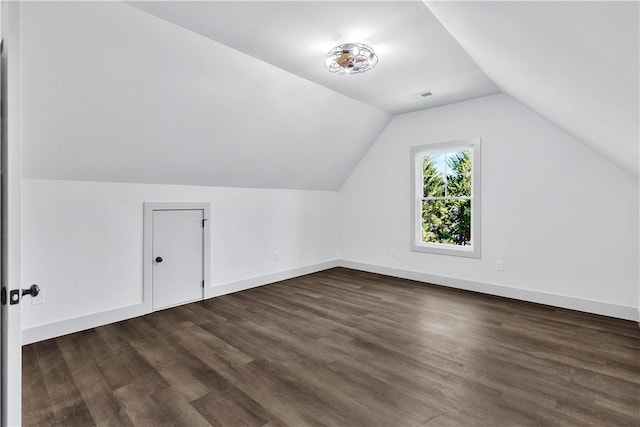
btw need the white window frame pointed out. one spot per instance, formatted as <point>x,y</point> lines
<point>417,155</point>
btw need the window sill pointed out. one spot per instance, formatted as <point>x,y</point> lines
<point>466,252</point>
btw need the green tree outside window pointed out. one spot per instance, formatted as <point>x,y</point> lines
<point>446,203</point>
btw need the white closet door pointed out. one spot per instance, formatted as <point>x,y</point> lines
<point>178,240</point>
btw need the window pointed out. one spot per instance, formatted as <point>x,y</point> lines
<point>446,198</point>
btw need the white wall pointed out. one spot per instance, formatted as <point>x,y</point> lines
<point>82,241</point>
<point>113,94</point>
<point>563,219</point>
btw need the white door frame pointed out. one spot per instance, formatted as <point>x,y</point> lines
<point>11,207</point>
<point>149,208</point>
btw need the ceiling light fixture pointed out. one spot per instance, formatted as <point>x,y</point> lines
<point>350,58</point>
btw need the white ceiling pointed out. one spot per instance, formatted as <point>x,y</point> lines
<point>111,93</point>
<point>213,93</point>
<point>416,53</point>
<point>574,63</point>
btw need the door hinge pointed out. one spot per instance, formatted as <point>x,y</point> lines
<point>203,220</point>
<point>203,283</point>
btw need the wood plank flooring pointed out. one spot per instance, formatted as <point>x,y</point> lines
<point>341,348</point>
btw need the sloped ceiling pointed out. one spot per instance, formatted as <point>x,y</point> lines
<point>416,53</point>
<point>112,93</point>
<point>235,94</point>
<point>574,63</point>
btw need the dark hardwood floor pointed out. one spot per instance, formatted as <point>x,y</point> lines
<point>341,348</point>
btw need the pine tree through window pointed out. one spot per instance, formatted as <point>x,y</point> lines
<point>446,198</point>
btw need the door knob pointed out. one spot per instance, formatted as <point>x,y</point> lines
<point>159,259</point>
<point>34,290</point>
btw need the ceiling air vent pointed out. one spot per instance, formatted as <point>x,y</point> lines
<point>425,94</point>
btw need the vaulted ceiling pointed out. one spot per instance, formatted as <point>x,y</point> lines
<point>112,93</point>
<point>574,63</point>
<point>235,93</point>
<point>416,52</point>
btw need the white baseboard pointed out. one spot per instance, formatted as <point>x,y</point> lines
<point>573,303</point>
<point>81,323</point>
<point>241,285</point>
<point>67,326</point>
<point>77,324</point>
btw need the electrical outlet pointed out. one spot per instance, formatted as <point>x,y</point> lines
<point>392,252</point>
<point>499,265</point>
<point>276,255</point>
<point>38,299</point>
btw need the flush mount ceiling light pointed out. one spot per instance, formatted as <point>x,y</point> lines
<point>350,58</point>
